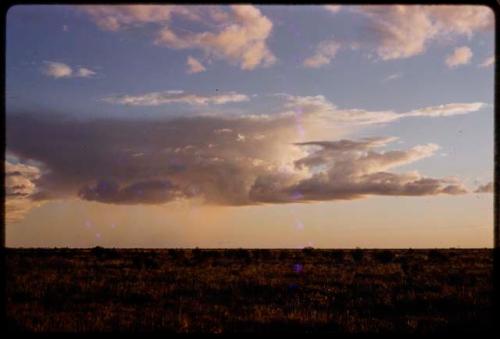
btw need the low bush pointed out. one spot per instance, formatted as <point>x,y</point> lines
<point>357,255</point>
<point>384,257</point>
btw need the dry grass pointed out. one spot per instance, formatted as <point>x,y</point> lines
<point>311,290</point>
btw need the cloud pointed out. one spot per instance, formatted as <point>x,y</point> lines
<point>391,77</point>
<point>85,72</point>
<point>486,188</point>
<point>190,153</point>
<point>489,61</point>
<point>194,66</point>
<point>223,130</point>
<point>403,31</point>
<point>239,35</point>
<point>57,70</point>
<point>351,169</point>
<point>325,52</point>
<point>240,137</point>
<point>362,164</point>
<point>446,110</point>
<point>461,19</point>
<point>241,41</point>
<point>238,160</point>
<point>320,106</point>
<point>460,56</point>
<point>333,8</point>
<point>20,186</point>
<point>141,192</point>
<point>114,18</point>
<point>175,96</point>
<point>60,70</point>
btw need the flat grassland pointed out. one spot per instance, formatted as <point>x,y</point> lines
<point>309,290</point>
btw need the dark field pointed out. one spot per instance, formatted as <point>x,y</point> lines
<point>217,291</point>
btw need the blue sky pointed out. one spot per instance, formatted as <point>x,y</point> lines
<point>81,64</point>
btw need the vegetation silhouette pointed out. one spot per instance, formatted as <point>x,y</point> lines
<point>249,290</point>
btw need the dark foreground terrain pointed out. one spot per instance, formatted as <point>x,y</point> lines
<point>308,290</point>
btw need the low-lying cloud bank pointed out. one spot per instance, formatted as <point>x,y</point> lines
<point>238,160</point>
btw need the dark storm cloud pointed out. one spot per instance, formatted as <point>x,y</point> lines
<point>348,169</point>
<point>189,152</point>
<point>147,192</point>
<point>225,161</point>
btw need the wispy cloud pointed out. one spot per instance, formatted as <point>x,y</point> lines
<point>59,70</point>
<point>176,96</point>
<point>391,77</point>
<point>84,72</point>
<point>445,110</point>
<point>489,61</point>
<point>320,106</point>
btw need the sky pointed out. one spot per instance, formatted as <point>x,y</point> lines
<point>218,126</point>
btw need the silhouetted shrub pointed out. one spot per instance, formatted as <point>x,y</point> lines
<point>283,255</point>
<point>336,255</point>
<point>105,253</point>
<point>196,252</point>
<point>357,255</point>
<point>176,254</point>
<point>264,254</point>
<point>405,264</point>
<point>436,255</point>
<point>142,261</point>
<point>98,250</point>
<point>239,254</point>
<point>384,257</point>
<point>308,250</point>
<point>198,255</point>
<point>212,254</point>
